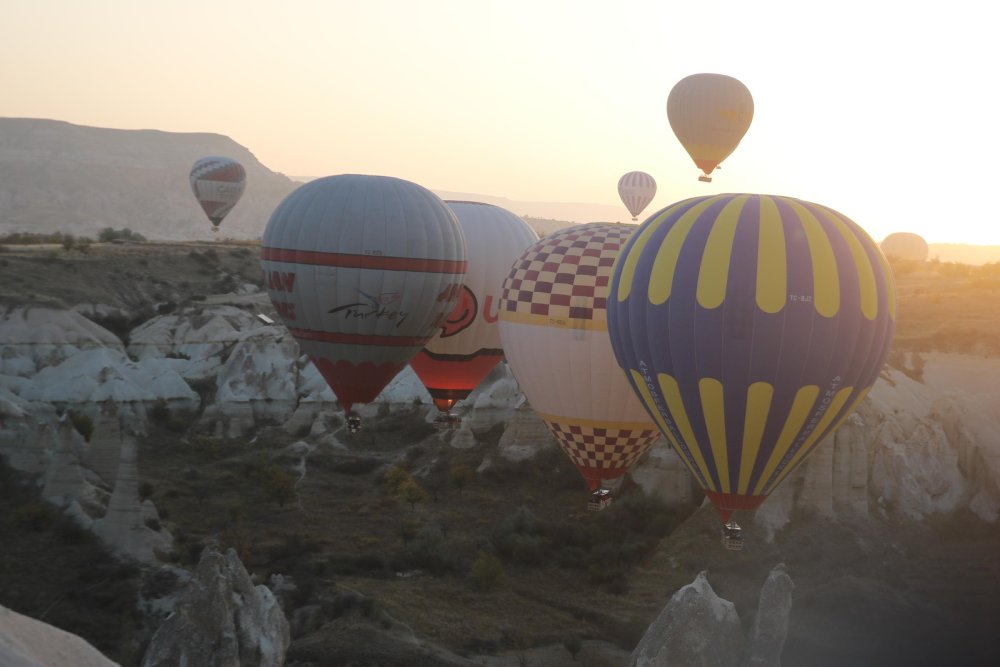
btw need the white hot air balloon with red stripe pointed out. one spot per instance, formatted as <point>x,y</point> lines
<point>363,270</point>
<point>467,347</point>
<point>554,328</point>
<point>217,184</point>
<point>637,189</point>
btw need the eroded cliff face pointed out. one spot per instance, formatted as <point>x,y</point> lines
<point>56,176</point>
<point>912,449</point>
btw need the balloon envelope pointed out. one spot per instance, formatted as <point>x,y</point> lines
<point>905,245</point>
<point>217,183</point>
<point>750,326</point>
<point>709,113</point>
<point>467,346</point>
<point>362,271</point>
<point>553,324</point>
<point>637,189</point>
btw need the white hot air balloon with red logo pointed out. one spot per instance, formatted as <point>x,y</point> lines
<point>218,184</point>
<point>637,189</point>
<point>363,270</point>
<point>467,347</point>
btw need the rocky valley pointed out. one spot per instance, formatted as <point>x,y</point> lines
<point>158,435</point>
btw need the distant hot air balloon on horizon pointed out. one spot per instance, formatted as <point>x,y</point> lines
<point>467,346</point>
<point>553,325</point>
<point>637,189</point>
<point>217,184</point>
<point>905,246</point>
<point>709,113</point>
<point>362,270</point>
<point>750,327</point>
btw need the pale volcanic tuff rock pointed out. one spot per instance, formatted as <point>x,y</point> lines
<point>770,627</point>
<point>697,627</point>
<point>662,473</point>
<point>98,375</point>
<point>64,478</point>
<point>33,337</point>
<point>25,642</point>
<point>200,336</point>
<point>525,436</point>
<point>221,620</point>
<point>124,526</point>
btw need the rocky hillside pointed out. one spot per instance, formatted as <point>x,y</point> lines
<point>143,401</point>
<point>55,176</point>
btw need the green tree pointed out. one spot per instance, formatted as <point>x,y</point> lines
<point>459,476</point>
<point>278,484</point>
<point>487,571</point>
<point>394,479</point>
<point>408,529</point>
<point>411,492</point>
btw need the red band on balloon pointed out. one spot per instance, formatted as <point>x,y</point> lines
<point>349,261</point>
<point>726,503</point>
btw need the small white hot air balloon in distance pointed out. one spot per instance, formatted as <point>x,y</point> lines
<point>637,189</point>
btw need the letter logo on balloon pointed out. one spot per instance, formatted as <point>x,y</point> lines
<point>462,315</point>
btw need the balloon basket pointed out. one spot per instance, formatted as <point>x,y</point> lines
<point>599,500</point>
<point>732,536</point>
<point>353,424</point>
<point>447,421</point>
<point>705,179</point>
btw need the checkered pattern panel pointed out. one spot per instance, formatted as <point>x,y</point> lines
<point>605,448</point>
<point>566,275</point>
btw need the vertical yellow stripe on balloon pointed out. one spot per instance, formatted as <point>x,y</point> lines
<point>866,274</point>
<point>759,396</point>
<point>675,404</point>
<point>714,410</point>
<point>805,398</point>
<point>714,271</point>
<point>826,280</point>
<point>831,412</point>
<point>661,277</point>
<point>631,259</point>
<point>647,399</point>
<point>772,265</point>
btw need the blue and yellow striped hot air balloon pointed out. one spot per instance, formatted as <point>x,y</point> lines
<point>750,327</point>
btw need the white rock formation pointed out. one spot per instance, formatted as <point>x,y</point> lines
<point>34,337</point>
<point>221,620</point>
<point>123,527</point>
<point>198,336</point>
<point>770,627</point>
<point>25,642</point>
<point>102,374</point>
<point>64,479</point>
<point>526,435</point>
<point>662,473</point>
<point>697,627</point>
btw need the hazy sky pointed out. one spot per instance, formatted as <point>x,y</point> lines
<point>886,111</point>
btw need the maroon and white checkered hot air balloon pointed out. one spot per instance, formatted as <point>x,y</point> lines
<point>554,330</point>
<point>363,270</point>
<point>217,183</point>
<point>637,189</point>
